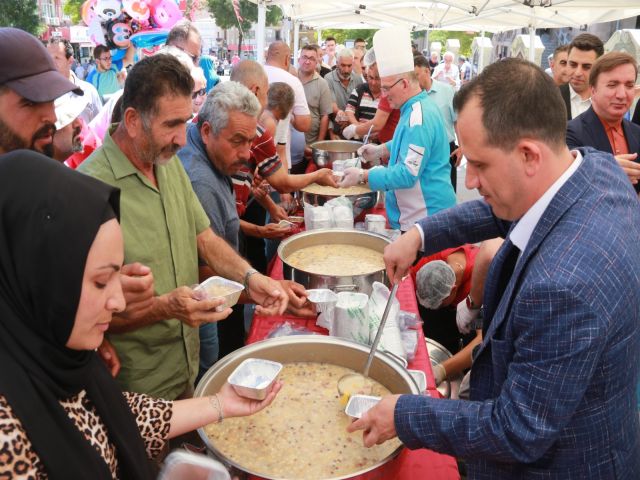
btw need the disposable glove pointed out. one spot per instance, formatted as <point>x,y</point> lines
<point>371,153</point>
<point>439,373</point>
<point>465,317</point>
<point>352,176</point>
<point>349,131</point>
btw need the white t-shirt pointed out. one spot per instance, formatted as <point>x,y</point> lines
<point>300,106</point>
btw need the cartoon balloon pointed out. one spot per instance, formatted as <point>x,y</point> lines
<point>87,11</point>
<point>108,9</point>
<point>95,32</point>
<point>166,14</point>
<point>118,34</point>
<point>136,9</point>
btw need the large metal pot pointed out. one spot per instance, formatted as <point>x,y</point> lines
<point>344,283</point>
<point>307,348</point>
<point>326,151</point>
<point>438,354</point>
<point>360,202</point>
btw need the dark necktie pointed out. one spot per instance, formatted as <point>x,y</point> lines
<point>508,257</point>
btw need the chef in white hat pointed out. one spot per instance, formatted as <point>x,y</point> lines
<point>67,139</point>
<point>417,178</point>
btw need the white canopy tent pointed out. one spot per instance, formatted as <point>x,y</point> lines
<point>459,15</point>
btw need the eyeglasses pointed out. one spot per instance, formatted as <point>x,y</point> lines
<point>105,59</point>
<point>387,89</point>
<point>200,93</point>
<point>308,59</point>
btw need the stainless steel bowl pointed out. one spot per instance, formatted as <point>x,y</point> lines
<point>307,348</point>
<point>326,151</point>
<point>344,283</point>
<point>360,201</point>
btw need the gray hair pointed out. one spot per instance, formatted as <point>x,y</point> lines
<point>181,31</point>
<point>280,96</point>
<point>345,52</point>
<point>224,98</point>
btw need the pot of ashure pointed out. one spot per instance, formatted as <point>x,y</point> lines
<point>341,260</point>
<point>325,152</point>
<point>299,448</point>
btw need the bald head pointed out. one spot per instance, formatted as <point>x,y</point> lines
<point>278,55</point>
<point>248,73</point>
<point>251,74</point>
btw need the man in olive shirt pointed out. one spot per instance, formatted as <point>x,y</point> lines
<point>165,227</point>
<point>317,93</point>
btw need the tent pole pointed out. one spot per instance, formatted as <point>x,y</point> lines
<point>296,40</point>
<point>532,43</point>
<point>481,56</point>
<point>260,33</point>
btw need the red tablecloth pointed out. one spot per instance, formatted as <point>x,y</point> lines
<point>410,464</point>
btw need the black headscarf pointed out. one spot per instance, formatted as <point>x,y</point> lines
<point>49,218</point>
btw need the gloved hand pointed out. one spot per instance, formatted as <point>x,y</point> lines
<point>349,131</point>
<point>439,373</point>
<point>352,176</point>
<point>371,152</point>
<point>465,317</point>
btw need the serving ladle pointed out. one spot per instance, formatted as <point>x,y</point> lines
<point>356,383</point>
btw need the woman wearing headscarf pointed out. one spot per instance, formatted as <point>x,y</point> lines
<point>62,415</point>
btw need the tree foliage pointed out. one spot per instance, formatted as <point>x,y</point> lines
<point>342,35</point>
<point>72,8</point>
<point>20,14</point>
<point>222,11</point>
<point>466,39</point>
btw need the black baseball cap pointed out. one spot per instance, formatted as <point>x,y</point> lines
<point>29,70</point>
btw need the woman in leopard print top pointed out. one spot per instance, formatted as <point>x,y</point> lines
<point>62,415</point>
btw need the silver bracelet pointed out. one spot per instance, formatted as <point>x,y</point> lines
<point>217,405</point>
<point>245,281</point>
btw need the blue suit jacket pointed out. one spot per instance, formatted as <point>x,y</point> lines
<point>586,130</point>
<point>553,384</point>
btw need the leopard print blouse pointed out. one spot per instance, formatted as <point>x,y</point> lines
<point>19,461</point>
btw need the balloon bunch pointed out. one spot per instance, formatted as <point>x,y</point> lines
<point>117,23</point>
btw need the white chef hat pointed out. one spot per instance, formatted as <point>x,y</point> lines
<point>393,51</point>
<point>68,107</point>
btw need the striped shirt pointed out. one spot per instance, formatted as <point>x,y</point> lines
<point>264,158</point>
<point>362,104</point>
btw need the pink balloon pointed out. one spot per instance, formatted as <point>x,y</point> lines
<point>166,14</point>
<point>87,11</point>
<point>137,9</point>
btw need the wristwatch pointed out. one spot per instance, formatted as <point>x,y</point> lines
<point>471,305</point>
<point>361,177</point>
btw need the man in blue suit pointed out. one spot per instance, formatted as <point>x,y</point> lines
<point>553,382</point>
<point>603,127</point>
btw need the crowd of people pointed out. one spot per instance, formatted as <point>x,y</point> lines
<point>180,178</point>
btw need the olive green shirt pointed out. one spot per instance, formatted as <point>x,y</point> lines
<point>159,226</point>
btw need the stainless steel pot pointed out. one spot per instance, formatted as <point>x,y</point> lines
<point>360,202</point>
<point>438,354</point>
<point>307,348</point>
<point>326,151</point>
<point>344,283</point>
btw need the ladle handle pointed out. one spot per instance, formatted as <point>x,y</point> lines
<point>383,320</point>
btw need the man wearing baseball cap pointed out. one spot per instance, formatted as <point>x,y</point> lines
<point>29,83</point>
